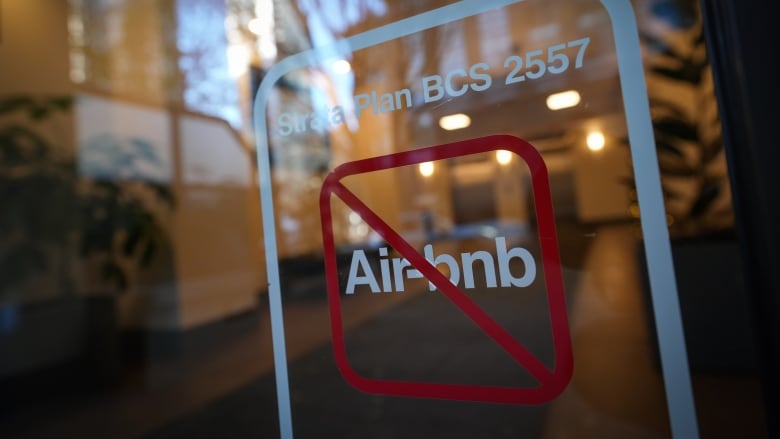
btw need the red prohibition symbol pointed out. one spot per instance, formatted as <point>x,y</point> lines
<point>550,382</point>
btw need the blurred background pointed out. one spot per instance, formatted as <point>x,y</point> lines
<point>133,287</point>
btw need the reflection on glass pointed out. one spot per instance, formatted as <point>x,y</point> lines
<point>426,169</point>
<point>595,141</point>
<point>133,292</point>
<point>562,100</point>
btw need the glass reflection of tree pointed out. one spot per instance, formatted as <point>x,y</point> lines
<point>164,52</point>
<point>685,120</point>
<point>129,48</point>
<point>50,214</point>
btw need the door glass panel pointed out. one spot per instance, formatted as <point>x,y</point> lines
<point>366,219</point>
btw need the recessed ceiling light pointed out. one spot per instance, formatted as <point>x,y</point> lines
<point>454,121</point>
<point>564,99</point>
<point>595,141</point>
<point>503,157</point>
<point>426,169</point>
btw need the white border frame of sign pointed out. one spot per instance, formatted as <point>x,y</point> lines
<point>666,308</point>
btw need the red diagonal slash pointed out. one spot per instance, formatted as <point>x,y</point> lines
<point>551,383</point>
<point>461,300</point>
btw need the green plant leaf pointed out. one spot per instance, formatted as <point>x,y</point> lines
<point>670,194</point>
<point>686,72</point>
<point>668,147</point>
<point>706,197</point>
<point>675,168</point>
<point>15,103</point>
<point>658,46</point>
<point>672,109</point>
<point>61,102</point>
<point>134,235</point>
<point>112,272</point>
<point>677,128</point>
<point>164,193</point>
<point>38,112</point>
<point>21,145</point>
<point>148,253</point>
<point>710,150</point>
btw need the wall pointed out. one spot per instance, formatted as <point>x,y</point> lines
<point>34,48</point>
<point>602,180</point>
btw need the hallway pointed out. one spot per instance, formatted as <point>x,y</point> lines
<point>222,379</point>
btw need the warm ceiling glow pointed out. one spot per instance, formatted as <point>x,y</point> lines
<point>454,121</point>
<point>595,141</point>
<point>503,157</point>
<point>564,99</point>
<point>341,67</point>
<point>426,169</point>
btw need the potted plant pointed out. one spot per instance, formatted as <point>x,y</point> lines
<point>51,221</point>
<point>695,184</point>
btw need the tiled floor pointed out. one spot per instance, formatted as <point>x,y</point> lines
<point>617,389</point>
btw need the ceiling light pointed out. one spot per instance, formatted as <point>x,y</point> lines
<point>426,169</point>
<point>503,157</point>
<point>454,121</point>
<point>564,99</point>
<point>595,141</point>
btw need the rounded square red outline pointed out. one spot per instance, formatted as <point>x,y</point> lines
<point>552,383</point>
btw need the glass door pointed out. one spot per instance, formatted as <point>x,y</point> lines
<point>364,218</point>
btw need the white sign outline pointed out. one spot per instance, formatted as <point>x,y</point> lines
<point>666,308</point>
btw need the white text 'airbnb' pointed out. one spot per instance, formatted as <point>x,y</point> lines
<point>393,271</point>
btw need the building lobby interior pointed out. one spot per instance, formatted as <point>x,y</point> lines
<point>135,293</point>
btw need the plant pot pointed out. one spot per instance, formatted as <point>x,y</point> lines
<point>68,343</point>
